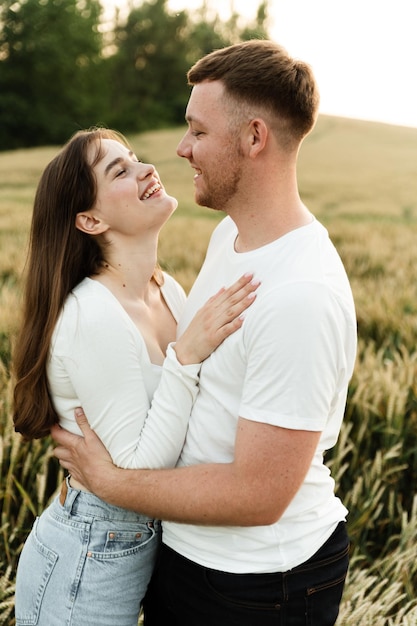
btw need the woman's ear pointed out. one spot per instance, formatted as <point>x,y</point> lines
<point>89,224</point>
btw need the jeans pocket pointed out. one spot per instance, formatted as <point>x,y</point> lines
<point>117,570</point>
<point>323,598</point>
<point>34,570</point>
<point>323,603</point>
<point>119,539</point>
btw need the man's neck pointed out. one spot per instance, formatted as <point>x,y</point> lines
<point>258,228</point>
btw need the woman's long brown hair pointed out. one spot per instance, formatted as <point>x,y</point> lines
<point>59,257</point>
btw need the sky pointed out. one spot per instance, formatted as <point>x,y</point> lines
<point>363,52</point>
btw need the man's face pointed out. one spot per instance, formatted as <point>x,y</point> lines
<point>211,148</point>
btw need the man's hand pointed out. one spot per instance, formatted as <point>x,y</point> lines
<point>86,458</point>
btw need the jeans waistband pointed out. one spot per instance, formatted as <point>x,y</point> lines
<point>78,502</point>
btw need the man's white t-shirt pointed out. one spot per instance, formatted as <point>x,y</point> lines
<point>289,365</point>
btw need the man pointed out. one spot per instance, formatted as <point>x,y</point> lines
<point>253,532</point>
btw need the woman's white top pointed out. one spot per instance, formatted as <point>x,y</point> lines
<point>99,360</point>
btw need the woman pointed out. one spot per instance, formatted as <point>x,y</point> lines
<point>98,325</point>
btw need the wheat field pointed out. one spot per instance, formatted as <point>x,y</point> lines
<point>360,180</point>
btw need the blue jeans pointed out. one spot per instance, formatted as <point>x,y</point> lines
<point>85,563</point>
<point>183,593</point>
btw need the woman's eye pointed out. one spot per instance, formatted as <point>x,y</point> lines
<point>120,173</point>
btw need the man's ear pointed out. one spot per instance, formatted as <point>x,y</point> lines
<point>89,224</point>
<point>257,135</point>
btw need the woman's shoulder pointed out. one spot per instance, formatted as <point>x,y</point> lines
<point>89,304</point>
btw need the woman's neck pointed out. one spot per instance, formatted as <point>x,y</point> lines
<point>128,274</point>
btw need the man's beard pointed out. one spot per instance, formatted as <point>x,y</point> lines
<point>217,194</point>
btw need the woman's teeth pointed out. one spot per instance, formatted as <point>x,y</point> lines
<point>151,191</point>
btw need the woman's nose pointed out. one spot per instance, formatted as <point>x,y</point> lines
<point>145,169</point>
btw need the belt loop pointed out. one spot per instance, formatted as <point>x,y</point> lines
<point>67,495</point>
<point>63,493</point>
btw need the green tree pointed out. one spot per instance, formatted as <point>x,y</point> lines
<point>51,80</point>
<point>59,72</point>
<point>148,69</point>
<point>155,49</point>
<point>207,32</point>
<point>259,28</point>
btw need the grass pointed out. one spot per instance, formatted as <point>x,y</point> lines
<point>359,179</point>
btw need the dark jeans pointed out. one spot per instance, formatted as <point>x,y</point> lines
<point>185,594</point>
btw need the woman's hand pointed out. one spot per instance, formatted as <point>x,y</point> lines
<point>217,319</point>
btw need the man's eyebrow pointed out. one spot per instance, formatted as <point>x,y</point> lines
<point>115,162</point>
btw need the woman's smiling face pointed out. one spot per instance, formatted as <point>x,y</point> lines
<point>129,192</point>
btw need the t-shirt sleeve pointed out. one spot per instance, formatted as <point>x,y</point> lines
<point>296,358</point>
<point>103,356</point>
